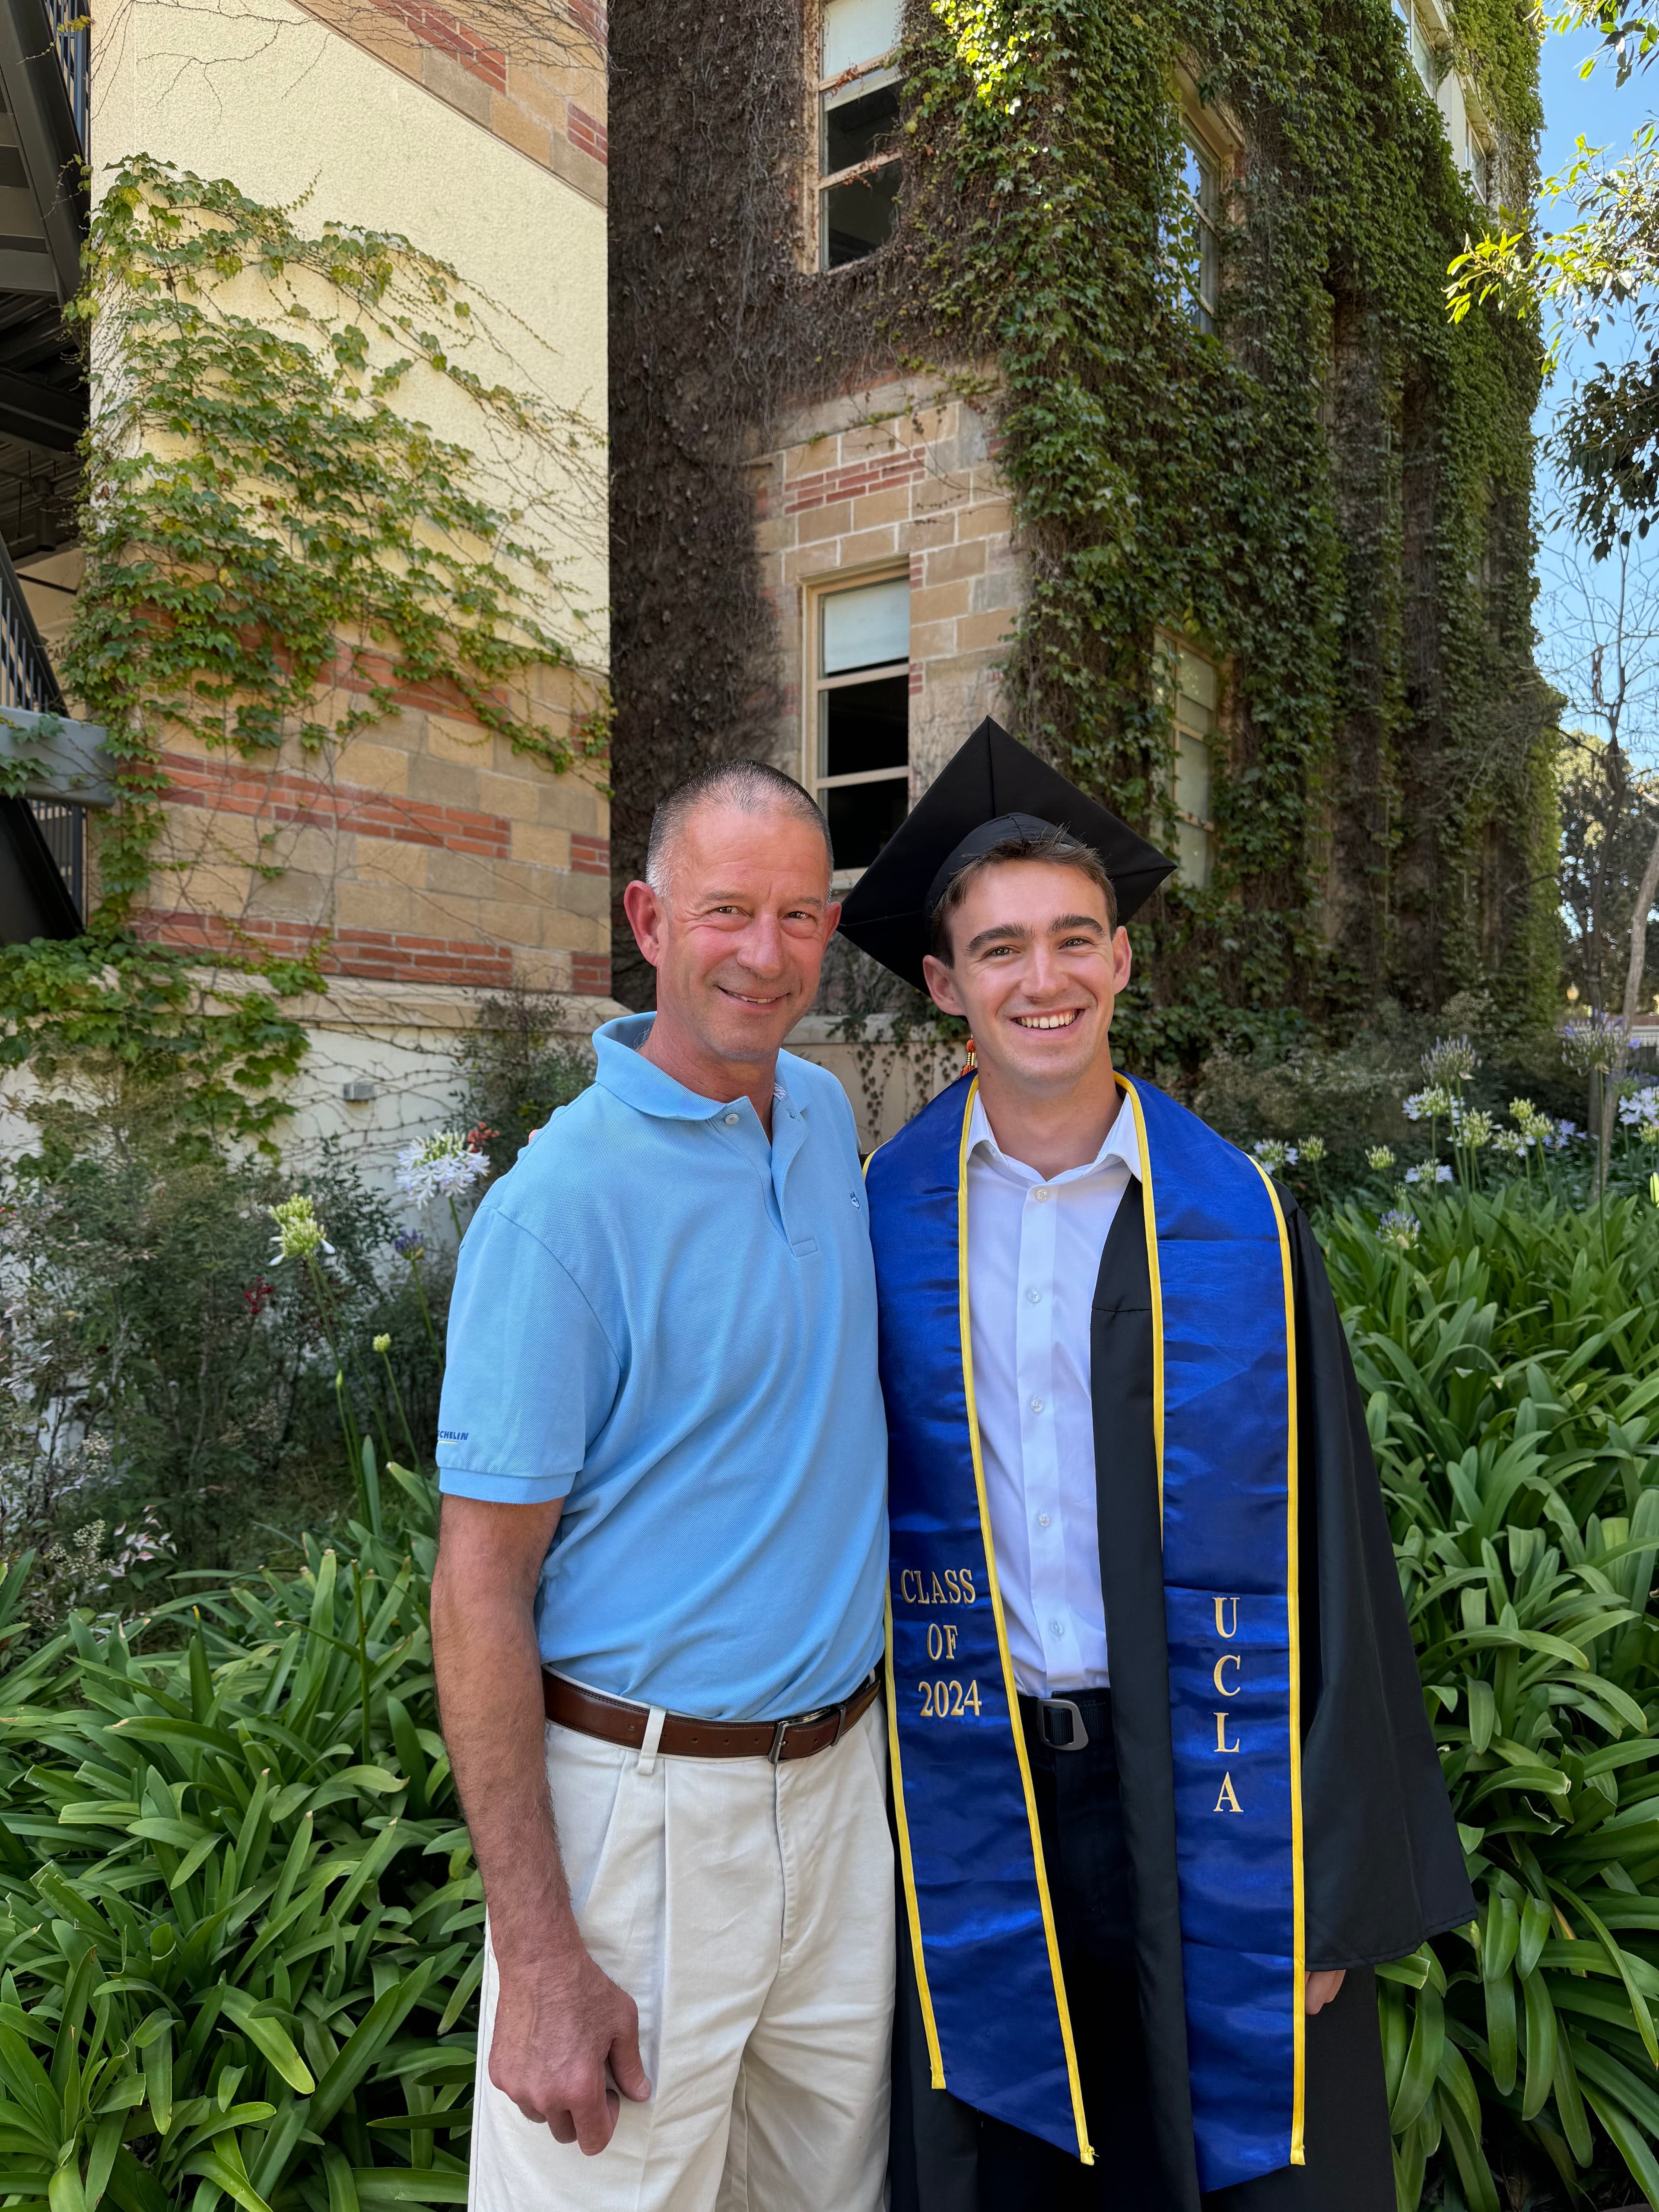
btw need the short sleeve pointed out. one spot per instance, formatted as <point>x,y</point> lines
<point>532,1377</point>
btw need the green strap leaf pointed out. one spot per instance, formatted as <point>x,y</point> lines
<point>270,2037</point>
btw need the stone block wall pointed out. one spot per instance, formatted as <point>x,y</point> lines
<point>424,850</point>
<point>900,471</point>
<point>531,76</point>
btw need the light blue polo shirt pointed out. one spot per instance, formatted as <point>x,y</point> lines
<point>670,1324</point>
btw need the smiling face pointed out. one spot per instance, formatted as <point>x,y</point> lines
<point>736,934</point>
<point>1035,969</point>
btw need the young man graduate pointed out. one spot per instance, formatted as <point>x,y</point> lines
<point>1165,1788</point>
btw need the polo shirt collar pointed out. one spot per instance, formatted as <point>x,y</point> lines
<point>1122,1145</point>
<point>625,1071</point>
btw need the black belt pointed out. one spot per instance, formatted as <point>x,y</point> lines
<point>1071,1722</point>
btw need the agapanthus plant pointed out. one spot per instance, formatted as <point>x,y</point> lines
<point>444,1166</point>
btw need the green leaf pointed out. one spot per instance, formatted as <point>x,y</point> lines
<point>1540,2046</point>
<point>270,2037</point>
<point>1422,2060</point>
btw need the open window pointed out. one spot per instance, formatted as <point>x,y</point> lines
<point>860,733</point>
<point>1190,685</point>
<point>858,121</point>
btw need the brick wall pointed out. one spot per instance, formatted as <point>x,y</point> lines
<point>423,851</point>
<point>901,473</point>
<point>535,82</point>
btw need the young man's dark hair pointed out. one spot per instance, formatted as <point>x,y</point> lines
<point>1052,844</point>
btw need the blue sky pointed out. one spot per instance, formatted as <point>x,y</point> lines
<point>1594,109</point>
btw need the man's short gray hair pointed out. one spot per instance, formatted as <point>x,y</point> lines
<point>750,785</point>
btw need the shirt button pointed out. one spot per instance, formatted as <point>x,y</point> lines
<point>1037,1405</point>
<point>730,1121</point>
<point>1040,1195</point>
<point>1058,1627</point>
<point>1042,1520</point>
<point>1036,1297</point>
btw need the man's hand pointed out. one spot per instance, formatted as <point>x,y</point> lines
<point>1322,1988</point>
<point>559,2021</point>
<point>559,2025</point>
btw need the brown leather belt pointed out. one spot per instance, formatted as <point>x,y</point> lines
<point>616,1720</point>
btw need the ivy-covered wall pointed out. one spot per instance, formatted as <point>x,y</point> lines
<point>1333,491</point>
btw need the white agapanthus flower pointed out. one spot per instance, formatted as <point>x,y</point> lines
<point>1379,1158</point>
<point>1641,1106</point>
<point>1477,1131</point>
<point>1398,1228</point>
<point>1441,1174</point>
<point>1514,1143</point>
<point>1434,1105</point>
<point>1450,1060</point>
<point>298,1232</point>
<point>1313,1151</point>
<point>1274,1154</point>
<point>442,1165</point>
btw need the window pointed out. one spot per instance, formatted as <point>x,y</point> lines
<point>1202,173</point>
<point>1195,686</point>
<point>857,129</point>
<point>861,715</point>
<point>1478,162</point>
<point>1418,26</point>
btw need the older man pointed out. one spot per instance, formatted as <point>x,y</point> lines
<point>658,1607</point>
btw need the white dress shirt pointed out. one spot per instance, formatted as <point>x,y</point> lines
<point>1034,1249</point>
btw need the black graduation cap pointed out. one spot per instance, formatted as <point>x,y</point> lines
<point>993,788</point>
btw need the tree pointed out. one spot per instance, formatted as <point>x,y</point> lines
<point>1599,275</point>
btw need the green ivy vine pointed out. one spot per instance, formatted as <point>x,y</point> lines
<point>1387,719</point>
<point>110,1020</point>
<point>259,517</point>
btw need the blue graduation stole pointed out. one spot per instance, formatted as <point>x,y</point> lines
<point>981,1926</point>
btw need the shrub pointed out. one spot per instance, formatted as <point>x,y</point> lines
<point>158,1361</point>
<point>1508,1348</point>
<point>519,1070</point>
<point>239,1923</point>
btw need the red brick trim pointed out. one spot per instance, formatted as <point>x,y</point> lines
<point>590,975</point>
<point>309,802</point>
<point>382,955</point>
<point>437,26</point>
<point>851,482</point>
<point>586,134</point>
<point>589,856</point>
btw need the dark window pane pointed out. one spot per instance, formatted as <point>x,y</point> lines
<point>858,129</point>
<point>865,726</point>
<point>858,217</point>
<point>863,816</point>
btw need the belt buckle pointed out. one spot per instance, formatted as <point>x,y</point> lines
<point>1079,1736</point>
<point>778,1735</point>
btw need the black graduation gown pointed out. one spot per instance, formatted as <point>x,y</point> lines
<point>1383,1866</point>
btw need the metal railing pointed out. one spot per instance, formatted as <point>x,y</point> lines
<point>71,37</point>
<point>64,828</point>
<point>26,677</point>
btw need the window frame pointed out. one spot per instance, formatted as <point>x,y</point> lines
<point>1476,139</point>
<point>1424,29</point>
<point>1212,133</point>
<point>1168,645</point>
<point>1207,294</point>
<point>821,180</point>
<point>817,683</point>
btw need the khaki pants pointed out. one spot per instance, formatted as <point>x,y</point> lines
<point>748,1910</point>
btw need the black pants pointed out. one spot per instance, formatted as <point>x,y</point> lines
<point>1348,2169</point>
